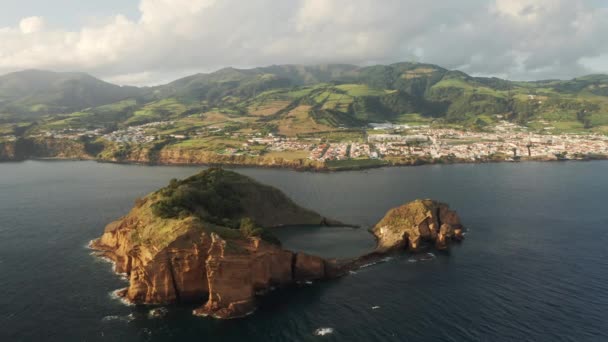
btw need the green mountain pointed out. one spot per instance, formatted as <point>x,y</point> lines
<point>36,92</point>
<point>292,99</point>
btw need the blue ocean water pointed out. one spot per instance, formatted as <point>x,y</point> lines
<point>534,266</point>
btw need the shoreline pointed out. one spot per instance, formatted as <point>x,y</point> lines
<point>323,169</point>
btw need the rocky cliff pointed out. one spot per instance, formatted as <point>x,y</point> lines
<point>172,155</point>
<point>204,240</point>
<point>27,148</point>
<point>173,247</point>
<point>7,151</point>
<point>417,223</point>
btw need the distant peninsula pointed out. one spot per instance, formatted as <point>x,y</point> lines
<point>206,240</point>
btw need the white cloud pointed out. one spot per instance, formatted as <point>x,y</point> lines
<point>516,38</point>
<point>31,25</point>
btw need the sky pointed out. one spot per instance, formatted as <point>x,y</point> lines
<point>147,42</point>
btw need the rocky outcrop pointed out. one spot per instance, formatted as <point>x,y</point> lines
<point>27,148</point>
<point>309,267</point>
<point>188,258</point>
<point>172,155</point>
<point>201,266</point>
<point>417,223</point>
<point>7,151</point>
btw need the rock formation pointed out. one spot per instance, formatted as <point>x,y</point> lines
<point>28,148</point>
<point>416,223</point>
<point>192,257</point>
<point>203,240</point>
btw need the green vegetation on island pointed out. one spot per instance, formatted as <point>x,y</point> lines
<point>226,202</point>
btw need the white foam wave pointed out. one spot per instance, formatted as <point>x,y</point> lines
<point>99,256</point>
<point>127,318</point>
<point>114,295</point>
<point>324,331</point>
<point>385,259</point>
<point>105,259</point>
<point>241,316</point>
<point>88,245</point>
<point>368,265</point>
<point>158,313</point>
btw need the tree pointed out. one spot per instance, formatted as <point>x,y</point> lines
<point>584,117</point>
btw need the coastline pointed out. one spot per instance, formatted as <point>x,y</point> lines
<point>65,149</point>
<point>320,169</point>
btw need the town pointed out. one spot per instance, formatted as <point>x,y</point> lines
<point>380,141</point>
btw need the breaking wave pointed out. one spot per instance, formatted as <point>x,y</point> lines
<point>324,331</point>
<point>114,295</point>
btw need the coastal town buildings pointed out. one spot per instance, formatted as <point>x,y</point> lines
<point>505,141</point>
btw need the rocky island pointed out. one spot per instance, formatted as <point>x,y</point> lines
<point>206,239</point>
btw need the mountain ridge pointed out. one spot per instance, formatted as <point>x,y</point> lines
<point>333,95</point>
<point>48,92</point>
<point>304,66</point>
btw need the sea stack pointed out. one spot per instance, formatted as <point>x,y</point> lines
<point>418,223</point>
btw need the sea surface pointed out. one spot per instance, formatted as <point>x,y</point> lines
<point>533,267</point>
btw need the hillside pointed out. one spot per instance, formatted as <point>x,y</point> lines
<point>293,100</point>
<point>36,92</point>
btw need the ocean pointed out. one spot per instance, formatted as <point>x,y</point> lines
<point>533,267</point>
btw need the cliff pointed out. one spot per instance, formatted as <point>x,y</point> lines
<point>7,151</point>
<point>163,153</point>
<point>417,223</point>
<point>28,148</point>
<point>203,239</point>
<point>172,155</point>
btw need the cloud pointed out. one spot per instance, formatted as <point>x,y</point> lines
<point>31,25</point>
<point>521,39</point>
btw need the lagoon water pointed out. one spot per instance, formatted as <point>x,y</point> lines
<point>534,266</point>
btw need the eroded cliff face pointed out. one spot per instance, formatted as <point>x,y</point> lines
<point>7,151</point>
<point>237,271</point>
<point>22,149</point>
<point>225,274</point>
<point>172,155</point>
<point>416,223</point>
<point>186,259</point>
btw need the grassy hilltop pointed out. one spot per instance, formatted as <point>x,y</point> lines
<point>219,201</point>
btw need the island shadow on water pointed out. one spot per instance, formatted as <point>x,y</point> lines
<point>205,239</point>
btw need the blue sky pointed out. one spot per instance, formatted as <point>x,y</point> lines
<point>145,42</point>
